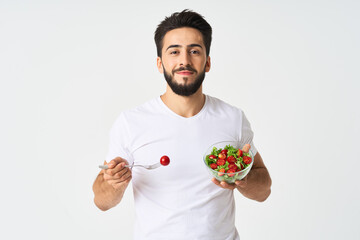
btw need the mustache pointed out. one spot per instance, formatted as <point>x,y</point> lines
<point>187,68</point>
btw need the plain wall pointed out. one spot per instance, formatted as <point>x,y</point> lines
<point>68,68</point>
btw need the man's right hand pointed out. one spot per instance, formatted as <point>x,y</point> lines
<point>117,175</point>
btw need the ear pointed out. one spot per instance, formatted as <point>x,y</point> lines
<point>159,65</point>
<point>208,64</point>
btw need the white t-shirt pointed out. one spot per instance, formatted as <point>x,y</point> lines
<point>179,201</point>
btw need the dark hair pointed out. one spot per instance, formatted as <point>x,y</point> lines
<point>186,18</point>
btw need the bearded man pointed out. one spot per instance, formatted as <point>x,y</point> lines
<point>179,201</point>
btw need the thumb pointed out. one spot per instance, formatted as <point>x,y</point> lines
<point>246,148</point>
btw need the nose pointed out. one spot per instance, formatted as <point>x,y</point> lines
<point>185,59</point>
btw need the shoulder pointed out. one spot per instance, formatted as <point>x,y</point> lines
<point>145,110</point>
<point>218,105</point>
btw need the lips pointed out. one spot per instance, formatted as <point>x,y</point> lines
<point>185,73</point>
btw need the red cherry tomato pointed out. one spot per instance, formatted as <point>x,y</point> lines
<point>165,160</point>
<point>212,157</point>
<point>232,166</point>
<point>230,171</point>
<point>231,159</point>
<point>240,153</point>
<point>221,172</point>
<point>220,162</point>
<point>247,160</point>
<point>224,151</point>
<point>213,165</point>
<point>222,156</point>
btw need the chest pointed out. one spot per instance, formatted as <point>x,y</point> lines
<point>185,143</point>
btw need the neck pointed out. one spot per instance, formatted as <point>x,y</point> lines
<point>184,106</point>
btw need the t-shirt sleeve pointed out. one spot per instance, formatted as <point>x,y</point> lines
<point>247,135</point>
<point>119,140</point>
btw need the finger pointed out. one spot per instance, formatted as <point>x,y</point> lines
<point>108,177</point>
<point>120,175</point>
<point>120,182</point>
<point>119,167</point>
<point>223,184</point>
<point>214,180</point>
<point>126,176</point>
<point>128,179</point>
<point>113,163</point>
<point>226,185</point>
<point>246,148</point>
<point>124,173</point>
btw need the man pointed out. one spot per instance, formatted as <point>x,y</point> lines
<point>179,201</point>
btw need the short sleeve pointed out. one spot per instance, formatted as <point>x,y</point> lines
<point>246,135</point>
<point>119,140</point>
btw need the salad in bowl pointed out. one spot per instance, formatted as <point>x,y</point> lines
<point>226,161</point>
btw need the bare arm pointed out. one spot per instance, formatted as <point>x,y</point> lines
<point>110,184</point>
<point>256,185</point>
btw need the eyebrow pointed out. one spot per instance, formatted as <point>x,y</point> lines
<point>179,46</point>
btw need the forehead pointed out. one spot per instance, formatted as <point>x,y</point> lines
<point>183,36</point>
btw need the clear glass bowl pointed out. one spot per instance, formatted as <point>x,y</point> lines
<point>225,176</point>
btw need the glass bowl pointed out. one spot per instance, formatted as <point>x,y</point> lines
<point>228,177</point>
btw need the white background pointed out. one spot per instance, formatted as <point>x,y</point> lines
<point>68,68</point>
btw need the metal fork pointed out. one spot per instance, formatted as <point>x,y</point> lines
<point>149,167</point>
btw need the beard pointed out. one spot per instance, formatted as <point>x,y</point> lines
<point>184,89</point>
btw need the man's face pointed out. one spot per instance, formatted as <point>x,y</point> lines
<point>183,60</point>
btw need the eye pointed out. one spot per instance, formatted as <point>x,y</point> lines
<point>195,52</point>
<point>174,52</point>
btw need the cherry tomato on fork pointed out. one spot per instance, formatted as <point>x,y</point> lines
<point>164,160</point>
